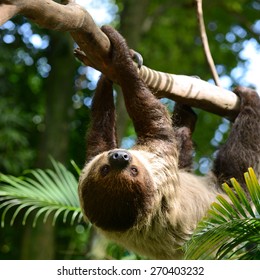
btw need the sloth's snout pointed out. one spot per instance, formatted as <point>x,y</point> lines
<point>119,158</point>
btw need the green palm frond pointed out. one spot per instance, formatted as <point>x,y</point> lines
<point>41,193</point>
<point>230,230</point>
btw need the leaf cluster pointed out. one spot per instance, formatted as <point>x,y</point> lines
<point>41,192</point>
<point>231,229</point>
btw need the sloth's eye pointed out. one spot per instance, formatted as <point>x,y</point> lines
<point>104,170</point>
<point>134,171</point>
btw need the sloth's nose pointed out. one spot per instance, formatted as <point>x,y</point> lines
<point>119,158</point>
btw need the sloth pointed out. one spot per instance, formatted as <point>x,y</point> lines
<point>146,198</point>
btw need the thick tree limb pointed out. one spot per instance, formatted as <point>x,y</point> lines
<point>94,46</point>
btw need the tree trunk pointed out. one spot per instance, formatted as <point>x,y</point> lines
<point>58,92</point>
<point>39,242</point>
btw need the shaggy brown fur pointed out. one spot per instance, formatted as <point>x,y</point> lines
<point>146,198</point>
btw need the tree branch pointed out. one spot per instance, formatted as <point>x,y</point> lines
<point>94,46</point>
<point>192,91</point>
<point>7,12</point>
<point>205,43</point>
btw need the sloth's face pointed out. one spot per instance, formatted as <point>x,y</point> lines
<point>115,190</point>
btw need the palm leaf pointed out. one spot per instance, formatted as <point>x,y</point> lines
<point>41,193</point>
<point>230,231</point>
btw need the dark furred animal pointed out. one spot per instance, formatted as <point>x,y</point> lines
<point>146,198</point>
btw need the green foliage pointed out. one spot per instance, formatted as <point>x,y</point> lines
<point>15,149</point>
<point>173,26</point>
<point>117,252</point>
<point>230,230</point>
<point>41,192</point>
